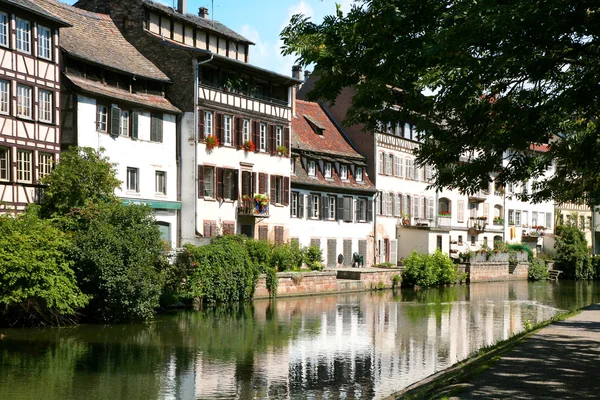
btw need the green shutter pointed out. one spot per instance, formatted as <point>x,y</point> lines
<point>134,125</point>
<point>115,120</point>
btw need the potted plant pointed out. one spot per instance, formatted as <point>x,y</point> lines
<point>211,142</point>
<point>281,150</point>
<point>405,219</point>
<point>445,214</point>
<point>248,145</point>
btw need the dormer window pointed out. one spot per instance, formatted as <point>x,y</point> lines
<point>343,172</point>
<point>315,125</point>
<point>327,170</point>
<point>312,171</point>
<point>359,174</point>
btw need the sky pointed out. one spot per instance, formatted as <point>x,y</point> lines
<point>261,21</point>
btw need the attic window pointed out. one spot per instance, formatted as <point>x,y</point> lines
<point>315,125</point>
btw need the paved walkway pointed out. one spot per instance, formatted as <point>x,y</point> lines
<point>561,361</point>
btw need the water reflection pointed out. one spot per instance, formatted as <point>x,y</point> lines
<point>348,346</point>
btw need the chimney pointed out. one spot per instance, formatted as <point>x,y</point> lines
<point>181,6</point>
<point>203,12</point>
<point>306,75</point>
<point>296,71</point>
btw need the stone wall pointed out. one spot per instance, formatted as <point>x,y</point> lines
<point>521,271</point>
<point>495,271</point>
<point>299,283</point>
<point>372,279</point>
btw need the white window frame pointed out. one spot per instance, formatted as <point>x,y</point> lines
<point>397,205</point>
<point>388,164</point>
<point>209,181</point>
<point>133,179</point>
<point>278,136</point>
<point>294,204</point>
<point>397,167</point>
<point>327,170</point>
<point>381,163</point>
<point>24,166</point>
<point>23,36</point>
<point>227,129</point>
<point>361,210</point>
<point>45,105</point>
<point>316,206</point>
<point>4,97</point>
<point>359,174</point>
<point>24,101</point>
<point>102,116</point>
<point>517,218</point>
<point>160,182</point>
<point>4,29</point>
<point>208,123</point>
<point>124,127</point>
<point>343,172</point>
<point>44,42</point>
<point>263,137</point>
<point>45,163</point>
<point>312,169</point>
<point>5,164</point>
<point>246,130</point>
<point>331,203</point>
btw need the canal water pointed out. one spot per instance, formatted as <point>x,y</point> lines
<point>365,345</point>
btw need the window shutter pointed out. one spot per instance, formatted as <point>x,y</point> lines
<point>256,135</point>
<point>115,120</point>
<point>220,183</point>
<point>286,140</point>
<point>218,127</point>
<point>207,229</point>
<point>486,211</point>
<point>213,229</point>
<point>340,208</point>
<point>246,183</point>
<point>310,213</point>
<point>356,216</point>
<point>393,251</point>
<point>156,133</point>
<point>300,205</point>
<point>286,191</point>
<point>261,183</point>
<point>236,138</point>
<point>235,186</point>
<point>370,210</point>
<point>322,203</point>
<point>263,232</point>
<point>392,206</point>
<point>200,181</point>
<point>200,124</point>
<point>271,139</point>
<point>252,183</point>
<point>273,187</point>
<point>134,124</point>
<point>348,209</point>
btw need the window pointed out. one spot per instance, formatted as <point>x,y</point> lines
<point>24,166</point>
<point>397,166</point>
<point>23,35</point>
<point>102,118</point>
<point>24,101</point>
<point>293,166</point>
<point>524,218</point>
<point>473,240</point>
<point>397,205</point>
<point>361,210</point>
<point>208,123</point>
<point>315,205</point>
<point>124,125</point>
<point>390,205</point>
<point>156,128</point>
<point>263,137</point>
<point>415,204</point>
<point>4,29</point>
<point>429,215</point>
<point>227,129</point>
<point>359,174</point>
<point>534,218</point>
<point>294,205</point>
<point>460,239</point>
<point>4,164</point>
<point>518,218</point>
<point>246,130</point>
<point>133,181</point>
<point>410,171</point>
<point>406,206</point>
<point>343,172</point>
<point>327,170</point>
<point>45,163</point>
<point>278,136</point>
<point>311,168</point>
<point>381,166</point>
<point>209,182</point>
<point>549,221</point>
<point>388,164</point>
<point>230,177</point>
<point>44,42</point>
<point>161,182</point>
<point>330,207</point>
<point>4,96</point>
<point>582,222</point>
<point>45,106</point>
<point>460,217</point>
<point>511,217</point>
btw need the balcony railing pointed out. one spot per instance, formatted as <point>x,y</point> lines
<point>479,196</point>
<point>245,93</point>
<point>444,221</point>
<point>477,223</point>
<point>253,208</point>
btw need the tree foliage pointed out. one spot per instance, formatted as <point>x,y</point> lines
<point>504,76</point>
<point>83,176</point>
<point>572,253</point>
<point>37,282</point>
<point>429,270</point>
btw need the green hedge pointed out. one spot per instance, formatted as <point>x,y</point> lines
<point>537,270</point>
<point>429,270</point>
<point>572,253</point>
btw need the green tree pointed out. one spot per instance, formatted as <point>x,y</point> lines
<point>37,282</point>
<point>504,76</point>
<point>572,253</point>
<point>119,260</point>
<point>81,177</point>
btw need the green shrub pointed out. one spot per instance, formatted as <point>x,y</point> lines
<point>118,261</point>
<point>37,281</point>
<point>572,253</point>
<point>537,270</point>
<point>259,251</point>
<point>596,265</point>
<point>224,271</point>
<point>429,269</point>
<point>272,281</point>
<point>286,257</point>
<point>396,279</point>
<point>516,247</point>
<point>313,257</point>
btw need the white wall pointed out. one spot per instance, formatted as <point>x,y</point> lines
<point>125,152</point>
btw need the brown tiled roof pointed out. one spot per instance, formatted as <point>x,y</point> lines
<point>94,38</point>
<point>99,89</point>
<point>203,23</point>
<point>335,184</point>
<point>36,9</point>
<point>332,141</point>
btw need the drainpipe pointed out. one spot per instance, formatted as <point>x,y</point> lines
<point>375,227</point>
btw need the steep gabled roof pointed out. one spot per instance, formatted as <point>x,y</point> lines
<point>35,9</point>
<point>93,37</point>
<point>203,23</point>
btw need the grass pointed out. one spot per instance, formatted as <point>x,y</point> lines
<point>453,380</point>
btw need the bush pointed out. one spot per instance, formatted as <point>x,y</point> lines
<point>37,282</point>
<point>259,251</point>
<point>429,269</point>
<point>537,270</point>
<point>272,281</point>
<point>596,265</point>
<point>572,253</point>
<point>224,271</point>
<point>313,257</point>
<point>517,247</point>
<point>118,261</point>
<point>287,257</point>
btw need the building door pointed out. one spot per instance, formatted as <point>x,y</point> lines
<point>383,251</point>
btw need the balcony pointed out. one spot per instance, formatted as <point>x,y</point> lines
<point>479,196</point>
<point>477,224</point>
<point>444,221</point>
<point>254,207</point>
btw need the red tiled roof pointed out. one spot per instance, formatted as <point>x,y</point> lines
<point>542,148</point>
<point>332,141</point>
<point>148,100</point>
